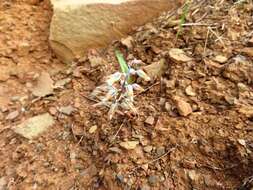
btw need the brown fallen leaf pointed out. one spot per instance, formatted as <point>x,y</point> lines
<point>44,86</point>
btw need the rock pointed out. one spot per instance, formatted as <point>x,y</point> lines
<point>247,111</point>
<point>128,42</point>
<point>248,51</point>
<point>184,108</point>
<point>13,115</point>
<point>156,69</point>
<point>3,183</point>
<point>150,120</point>
<point>88,174</point>
<point>220,59</point>
<point>192,174</point>
<point>67,110</point>
<point>4,76</point>
<point>52,110</point>
<point>167,106</point>
<point>160,151</point>
<point>189,91</point>
<point>61,83</point>
<point>79,25</point>
<point>239,71</point>
<point>23,48</point>
<point>242,142</point>
<point>96,61</point>
<point>129,145</point>
<point>93,129</point>
<point>148,149</point>
<point>44,85</point>
<point>153,179</point>
<point>145,187</point>
<point>35,126</point>
<point>250,42</point>
<point>178,55</point>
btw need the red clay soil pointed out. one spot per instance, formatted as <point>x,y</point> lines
<point>211,148</point>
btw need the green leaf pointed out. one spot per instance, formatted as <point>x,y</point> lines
<point>123,65</point>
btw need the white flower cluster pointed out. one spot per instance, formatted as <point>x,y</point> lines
<point>118,91</point>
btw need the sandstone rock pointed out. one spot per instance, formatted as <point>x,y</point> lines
<point>184,108</point>
<point>35,126</point>
<point>79,25</point>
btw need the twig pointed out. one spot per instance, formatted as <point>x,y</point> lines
<point>147,89</point>
<point>155,160</point>
<point>199,24</point>
<point>116,134</point>
<point>207,36</point>
<point>219,38</point>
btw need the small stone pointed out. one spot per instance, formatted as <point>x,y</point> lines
<point>220,59</point>
<point>150,120</point>
<point>247,111</point>
<point>193,175</point>
<point>3,183</point>
<point>148,149</point>
<point>153,179</point>
<point>67,110</point>
<point>33,127</point>
<point>156,69</point>
<point>93,129</point>
<point>178,56</point>
<point>115,150</point>
<point>129,145</point>
<point>13,115</point>
<point>61,83</point>
<point>120,177</point>
<point>189,91</point>
<point>184,108</point>
<point>168,107</point>
<point>128,42</point>
<point>4,76</point>
<point>162,101</point>
<point>242,142</point>
<point>52,110</point>
<point>44,85</point>
<point>23,48</point>
<point>250,42</point>
<point>145,187</point>
<point>77,130</point>
<point>242,87</point>
<point>96,61</point>
<point>248,51</point>
<point>160,151</point>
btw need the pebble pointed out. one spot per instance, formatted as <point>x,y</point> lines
<point>153,179</point>
<point>145,187</point>
<point>93,129</point>
<point>67,110</point>
<point>160,151</point>
<point>13,115</point>
<point>52,110</point>
<point>189,91</point>
<point>167,106</point>
<point>220,59</point>
<point>3,183</point>
<point>148,149</point>
<point>184,108</point>
<point>150,120</point>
